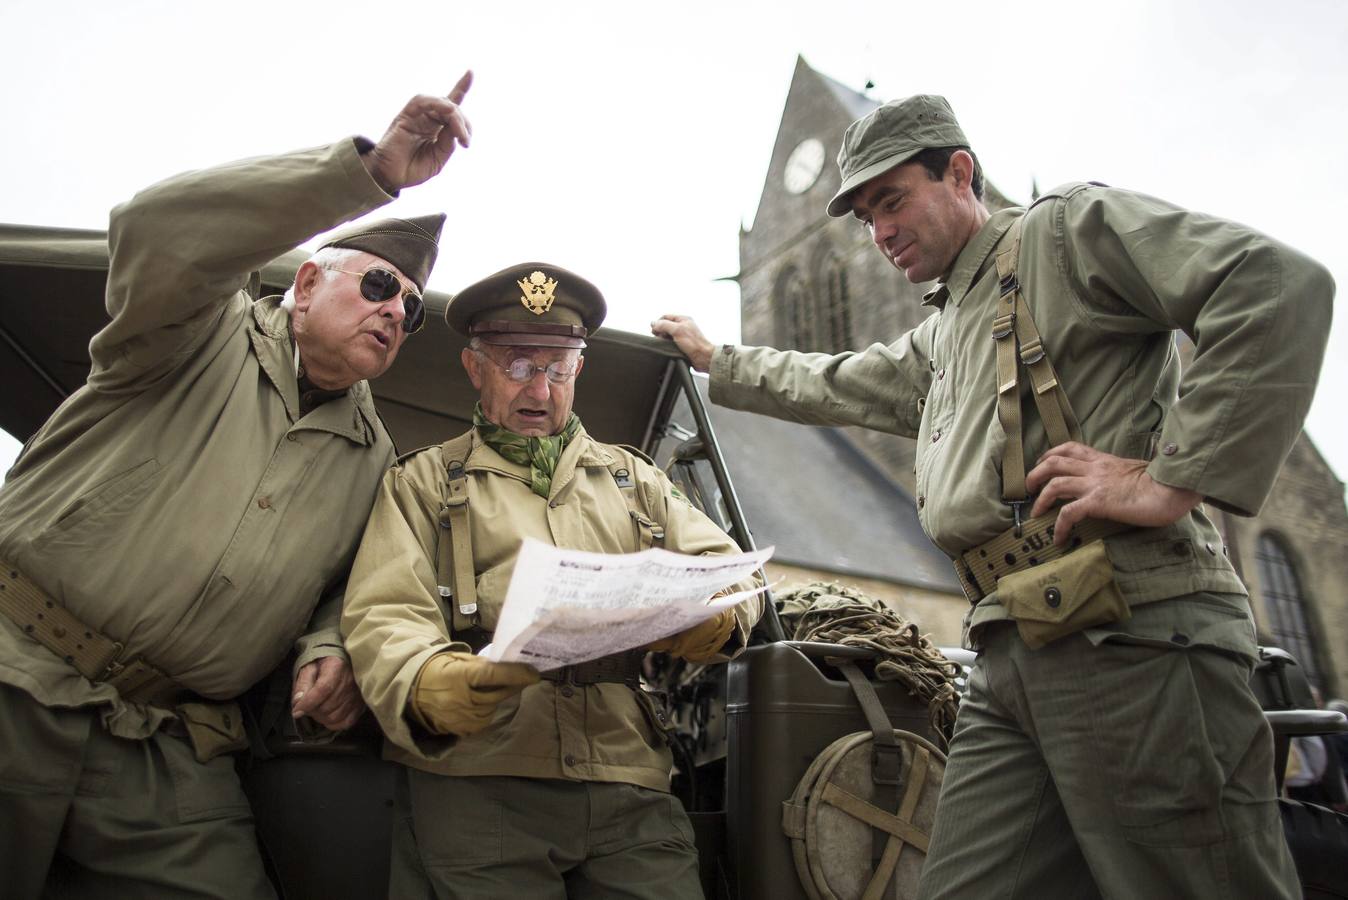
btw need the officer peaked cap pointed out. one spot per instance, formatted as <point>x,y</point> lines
<point>533,304</point>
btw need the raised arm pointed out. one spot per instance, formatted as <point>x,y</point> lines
<point>181,250</point>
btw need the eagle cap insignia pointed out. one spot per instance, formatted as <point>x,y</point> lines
<point>538,290</point>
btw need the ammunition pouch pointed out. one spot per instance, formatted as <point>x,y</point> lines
<point>1054,599</point>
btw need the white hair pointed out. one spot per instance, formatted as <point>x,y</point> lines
<point>328,260</point>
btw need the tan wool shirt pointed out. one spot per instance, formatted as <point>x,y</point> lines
<point>394,619</point>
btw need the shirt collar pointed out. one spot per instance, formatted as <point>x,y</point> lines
<point>972,259</point>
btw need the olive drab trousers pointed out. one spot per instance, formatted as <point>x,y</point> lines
<point>1135,767</point>
<point>487,837</point>
<point>87,815</point>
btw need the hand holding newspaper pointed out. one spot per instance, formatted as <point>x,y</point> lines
<point>564,607</point>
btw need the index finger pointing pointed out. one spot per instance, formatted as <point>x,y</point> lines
<point>461,89</point>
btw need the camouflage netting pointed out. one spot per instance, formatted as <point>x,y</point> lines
<point>834,614</point>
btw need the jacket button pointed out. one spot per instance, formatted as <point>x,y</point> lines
<point>553,504</point>
<point>569,760</point>
<point>936,435</point>
<point>940,374</point>
<point>567,690</point>
<point>1053,597</point>
<point>921,501</point>
<point>292,437</point>
<point>264,503</point>
<point>1170,449</point>
<point>1211,551</point>
<point>1181,639</point>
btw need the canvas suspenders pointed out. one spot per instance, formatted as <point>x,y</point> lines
<point>1030,541</point>
<point>1018,343</point>
<point>454,551</point>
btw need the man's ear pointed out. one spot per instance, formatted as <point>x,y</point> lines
<point>961,168</point>
<point>306,279</point>
<point>472,364</point>
<point>580,364</point>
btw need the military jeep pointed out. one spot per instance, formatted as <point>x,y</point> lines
<point>745,731</point>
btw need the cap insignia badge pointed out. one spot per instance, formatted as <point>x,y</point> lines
<point>538,290</point>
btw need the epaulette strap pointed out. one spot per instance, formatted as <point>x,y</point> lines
<point>454,557</point>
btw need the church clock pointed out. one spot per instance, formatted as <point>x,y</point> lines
<point>803,166</point>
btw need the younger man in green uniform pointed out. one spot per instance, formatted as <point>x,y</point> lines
<point>168,533</point>
<point>1118,752</point>
<point>512,785</point>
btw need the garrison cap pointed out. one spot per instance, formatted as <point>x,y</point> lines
<point>532,304</point>
<point>889,136</point>
<point>410,244</point>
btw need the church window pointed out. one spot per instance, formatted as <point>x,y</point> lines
<point>837,314</point>
<point>1289,626</point>
<point>796,311</point>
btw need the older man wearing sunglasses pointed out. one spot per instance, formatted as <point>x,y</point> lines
<point>168,533</point>
<point>513,786</point>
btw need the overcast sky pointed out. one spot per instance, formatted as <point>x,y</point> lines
<point>629,141</point>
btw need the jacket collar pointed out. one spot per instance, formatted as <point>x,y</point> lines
<point>972,260</point>
<point>582,451</point>
<point>352,416</point>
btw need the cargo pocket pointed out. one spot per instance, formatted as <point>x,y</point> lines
<point>455,820</point>
<point>202,791</point>
<point>1061,597</point>
<point>1179,742</point>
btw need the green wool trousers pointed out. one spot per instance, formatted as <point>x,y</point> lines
<point>87,815</point>
<point>492,837</point>
<point>1133,766</point>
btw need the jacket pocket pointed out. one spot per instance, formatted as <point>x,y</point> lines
<point>116,496</point>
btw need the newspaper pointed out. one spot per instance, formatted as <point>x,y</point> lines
<point>564,607</point>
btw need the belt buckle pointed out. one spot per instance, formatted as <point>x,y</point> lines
<point>1015,510</point>
<point>115,666</point>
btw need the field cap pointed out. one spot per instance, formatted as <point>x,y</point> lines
<point>889,136</point>
<point>532,304</point>
<point>410,244</point>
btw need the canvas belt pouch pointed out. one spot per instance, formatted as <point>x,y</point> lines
<point>1061,597</point>
<point>212,728</point>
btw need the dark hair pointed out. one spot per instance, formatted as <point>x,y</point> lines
<point>937,159</point>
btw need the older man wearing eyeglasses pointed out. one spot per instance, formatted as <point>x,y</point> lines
<point>512,785</point>
<point>168,533</point>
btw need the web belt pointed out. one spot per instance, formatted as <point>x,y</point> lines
<point>1022,547</point>
<point>94,655</point>
<point>619,668</point>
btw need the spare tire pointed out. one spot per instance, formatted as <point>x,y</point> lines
<point>838,813</point>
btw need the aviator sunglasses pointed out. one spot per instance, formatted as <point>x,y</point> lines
<point>379,285</point>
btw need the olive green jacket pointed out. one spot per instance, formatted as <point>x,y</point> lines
<point>178,502</point>
<point>393,618</point>
<point>1109,275</point>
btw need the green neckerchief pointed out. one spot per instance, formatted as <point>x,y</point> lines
<point>540,454</point>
